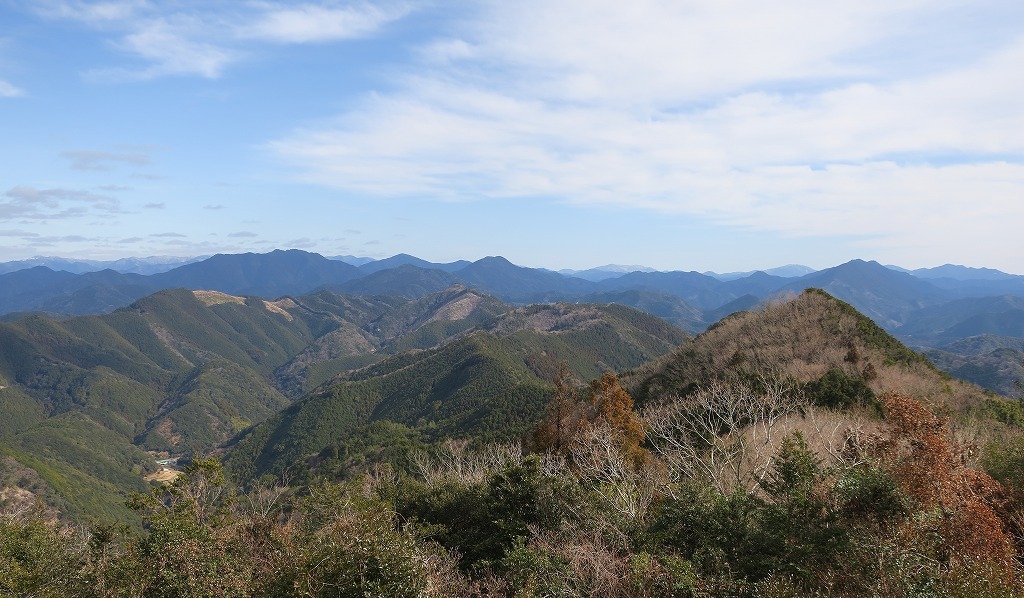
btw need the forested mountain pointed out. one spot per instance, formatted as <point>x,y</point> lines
<point>268,275</point>
<point>405,281</point>
<point>180,372</point>
<point>962,318</point>
<point>491,384</point>
<point>514,283</point>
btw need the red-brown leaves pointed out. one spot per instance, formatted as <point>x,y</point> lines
<point>959,504</point>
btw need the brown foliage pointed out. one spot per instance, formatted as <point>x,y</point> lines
<point>962,505</point>
<point>613,408</point>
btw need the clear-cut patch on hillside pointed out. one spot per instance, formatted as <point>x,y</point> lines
<point>210,298</point>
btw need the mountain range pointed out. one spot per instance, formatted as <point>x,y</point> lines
<point>906,303</point>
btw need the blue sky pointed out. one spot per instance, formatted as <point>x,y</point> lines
<point>703,135</point>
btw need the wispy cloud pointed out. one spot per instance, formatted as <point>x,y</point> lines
<point>307,23</point>
<point>169,235</point>
<point>101,160</point>
<point>243,234</point>
<point>17,233</point>
<point>787,116</point>
<point>30,203</point>
<point>10,91</point>
<point>199,38</point>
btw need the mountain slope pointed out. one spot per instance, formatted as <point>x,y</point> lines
<point>268,275</point>
<point>180,372</point>
<point>884,295</point>
<point>802,340</point>
<point>407,280</point>
<point>404,259</point>
<point>695,288</point>
<point>666,306</point>
<point>1003,316</point>
<point>491,383</point>
<point>498,276</point>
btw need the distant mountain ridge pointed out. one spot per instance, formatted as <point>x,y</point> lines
<point>896,299</point>
<point>131,265</point>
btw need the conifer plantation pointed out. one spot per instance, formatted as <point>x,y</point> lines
<point>797,450</point>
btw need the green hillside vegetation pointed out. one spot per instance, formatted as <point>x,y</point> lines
<point>489,385</point>
<point>180,372</point>
<point>995,363</point>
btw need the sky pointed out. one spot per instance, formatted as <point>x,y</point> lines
<point>724,135</point>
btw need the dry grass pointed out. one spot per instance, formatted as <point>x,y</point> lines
<point>210,298</point>
<point>165,475</point>
<point>280,307</point>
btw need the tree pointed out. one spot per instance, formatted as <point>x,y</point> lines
<point>958,508</point>
<point>562,416</point>
<point>724,435</point>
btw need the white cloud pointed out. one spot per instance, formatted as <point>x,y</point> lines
<point>785,116</point>
<point>193,37</point>
<point>94,13</point>
<point>314,23</point>
<point>171,50</point>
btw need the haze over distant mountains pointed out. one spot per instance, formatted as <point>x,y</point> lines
<point>973,301</point>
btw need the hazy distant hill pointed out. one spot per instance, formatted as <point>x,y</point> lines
<point>991,361</point>
<point>267,275</point>
<point>666,306</point>
<point>605,272</point>
<point>500,277</point>
<point>787,271</point>
<point>895,299</point>
<point>404,259</point>
<point>940,324</point>
<point>696,289</point>
<point>131,265</point>
<point>42,289</point>
<point>955,272</point>
<point>885,295</point>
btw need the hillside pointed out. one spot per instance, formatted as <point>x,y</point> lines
<point>990,361</point>
<point>807,339</point>
<point>491,384</point>
<point>90,400</point>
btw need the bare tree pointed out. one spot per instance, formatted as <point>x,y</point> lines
<point>723,434</point>
<point>599,458</point>
<point>455,461</point>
